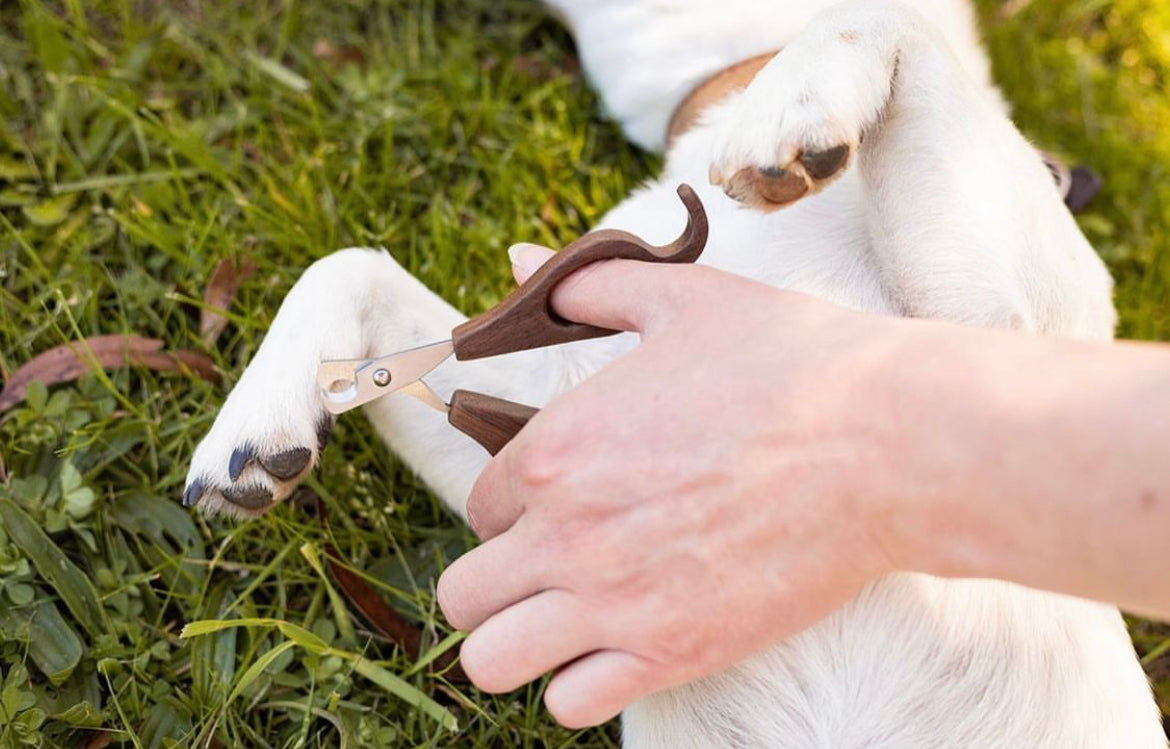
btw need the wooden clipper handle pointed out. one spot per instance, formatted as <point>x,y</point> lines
<point>525,319</point>
<point>492,422</point>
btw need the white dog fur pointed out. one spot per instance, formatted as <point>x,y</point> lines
<point>946,211</point>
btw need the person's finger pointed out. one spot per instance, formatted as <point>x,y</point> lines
<point>489,578</point>
<point>598,686</point>
<point>527,640</point>
<point>526,259</point>
<point>494,505</point>
<point>615,294</point>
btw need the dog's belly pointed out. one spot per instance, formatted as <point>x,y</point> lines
<point>921,663</point>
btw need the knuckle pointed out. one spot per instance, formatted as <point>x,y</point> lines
<point>540,465</point>
<point>686,647</point>
<point>690,653</point>
<point>565,547</point>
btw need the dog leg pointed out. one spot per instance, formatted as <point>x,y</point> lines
<point>962,215</point>
<point>645,56</point>
<point>352,304</point>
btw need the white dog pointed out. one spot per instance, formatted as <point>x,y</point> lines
<point>906,190</point>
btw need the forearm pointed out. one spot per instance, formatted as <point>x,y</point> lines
<point>1047,462</point>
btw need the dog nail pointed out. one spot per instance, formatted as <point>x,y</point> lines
<point>241,456</point>
<point>324,431</point>
<point>193,493</point>
<point>1086,184</point>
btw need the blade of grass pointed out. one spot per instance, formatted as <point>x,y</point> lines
<point>388,681</point>
<point>336,602</point>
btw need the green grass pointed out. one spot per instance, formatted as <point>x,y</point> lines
<point>143,142</point>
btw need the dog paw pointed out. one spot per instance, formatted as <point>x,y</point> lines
<point>799,124</point>
<point>788,180</point>
<point>267,438</point>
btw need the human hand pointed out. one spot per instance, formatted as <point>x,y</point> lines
<point>692,503</point>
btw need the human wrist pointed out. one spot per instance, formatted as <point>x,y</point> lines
<point>985,454</point>
<point>946,406</point>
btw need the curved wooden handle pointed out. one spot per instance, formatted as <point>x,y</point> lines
<point>492,422</point>
<point>525,319</point>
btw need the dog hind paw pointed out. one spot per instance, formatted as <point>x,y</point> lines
<point>799,123</point>
<point>775,186</point>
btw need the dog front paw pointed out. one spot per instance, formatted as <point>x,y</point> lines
<point>267,438</point>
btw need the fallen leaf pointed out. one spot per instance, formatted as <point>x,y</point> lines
<point>542,69</point>
<point>99,741</point>
<point>219,294</point>
<point>373,608</point>
<point>326,51</point>
<point>69,361</point>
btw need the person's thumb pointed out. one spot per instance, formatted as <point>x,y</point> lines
<point>615,294</point>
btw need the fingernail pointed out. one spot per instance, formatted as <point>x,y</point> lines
<point>526,259</point>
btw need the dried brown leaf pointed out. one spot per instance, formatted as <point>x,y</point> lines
<point>98,741</point>
<point>69,361</point>
<point>373,608</point>
<point>542,69</point>
<point>385,620</point>
<point>326,51</point>
<point>219,294</point>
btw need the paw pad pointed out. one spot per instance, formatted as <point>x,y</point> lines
<point>821,165</point>
<point>255,481</point>
<point>772,187</point>
<point>251,497</point>
<point>285,465</point>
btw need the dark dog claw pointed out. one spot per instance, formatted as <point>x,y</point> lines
<point>193,493</point>
<point>324,431</point>
<point>1084,187</point>
<point>241,456</point>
